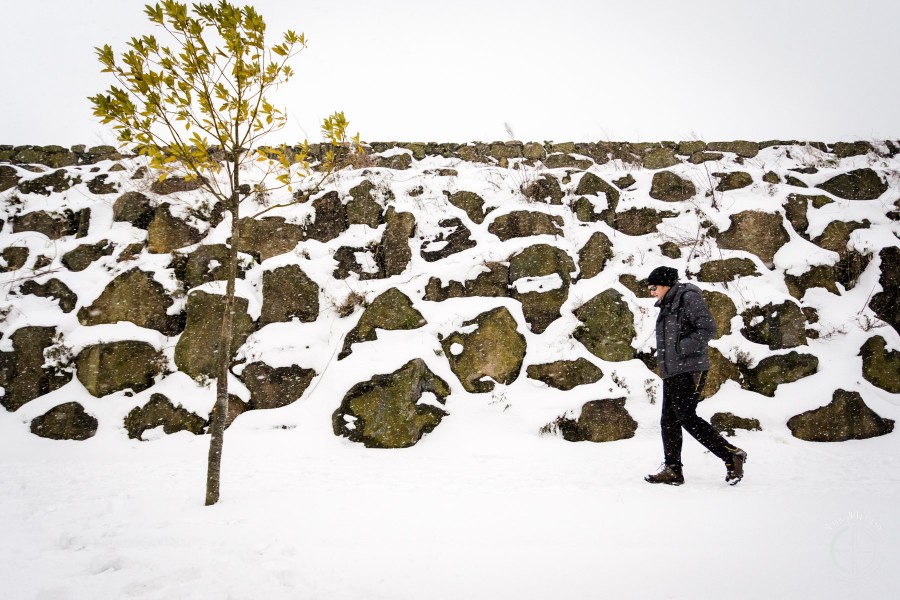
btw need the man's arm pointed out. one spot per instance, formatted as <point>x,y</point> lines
<point>698,315</point>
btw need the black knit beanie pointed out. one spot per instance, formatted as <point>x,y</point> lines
<point>663,276</point>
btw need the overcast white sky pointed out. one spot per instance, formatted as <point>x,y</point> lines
<point>458,70</point>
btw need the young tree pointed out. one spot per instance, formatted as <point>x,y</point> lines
<point>199,109</point>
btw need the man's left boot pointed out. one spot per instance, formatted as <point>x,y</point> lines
<point>735,466</point>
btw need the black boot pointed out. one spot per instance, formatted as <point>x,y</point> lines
<point>735,466</point>
<point>670,475</point>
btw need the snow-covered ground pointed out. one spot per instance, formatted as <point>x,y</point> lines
<point>483,506</point>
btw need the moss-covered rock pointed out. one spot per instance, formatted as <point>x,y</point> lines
<point>364,209</point>
<point>534,151</point>
<point>742,148</point>
<point>495,349</point>
<point>206,263</point>
<point>690,147</point>
<point>134,208</point>
<point>836,235</point>
<point>729,269</point>
<point>268,237</point>
<point>726,423</point>
<point>722,309</point>
<point>819,276</point>
<point>545,189</point>
<point>81,257</point>
<point>540,307</point>
<point>384,412</point>
<point>771,177</point>
<point>670,250</point>
<point>171,185</point>
<point>759,233</point>
<point>111,367</point>
<point>636,286</point>
<point>660,158</point>
<point>566,374</point>
<point>23,376</point>
<point>796,208</point>
<point>9,177</point>
<point>778,326</point>
<point>133,296</point>
<point>167,232</point>
<point>623,183</point>
<point>846,418</point>
<point>698,158</point>
<point>591,185</point>
<point>394,253</point>
<point>720,370</point>
<point>15,258</point>
<point>398,162</point>
<point>670,187</point>
<point>641,221</point>
<point>454,237</point>
<point>53,288</point>
<point>469,202</point>
<point>57,181</point>
<point>593,256</point>
<point>288,293</point>
<point>566,161</point>
<point>160,412</point>
<point>330,218</point>
<point>391,311</point>
<point>197,350</point>
<point>99,186</point>
<point>773,371</point>
<point>492,281</point>
<point>67,421</point>
<point>848,149</point>
<point>860,184</point>
<point>602,421</point>
<point>523,223</point>
<point>54,225</point>
<point>881,367</point>
<point>885,302</point>
<point>607,328</point>
<point>272,387</point>
<point>733,181</point>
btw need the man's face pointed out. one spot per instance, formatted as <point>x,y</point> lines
<point>658,291</point>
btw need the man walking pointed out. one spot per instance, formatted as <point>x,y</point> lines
<point>683,329</point>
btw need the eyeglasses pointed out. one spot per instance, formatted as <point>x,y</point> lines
<point>652,288</point>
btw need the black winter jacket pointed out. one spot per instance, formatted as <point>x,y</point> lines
<point>683,329</point>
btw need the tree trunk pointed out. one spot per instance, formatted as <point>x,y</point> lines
<point>220,412</point>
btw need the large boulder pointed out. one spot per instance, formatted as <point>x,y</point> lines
<point>722,271</point>
<point>133,296</point>
<point>160,412</point>
<point>607,328</point>
<point>393,254</point>
<point>540,307</point>
<point>206,263</point>
<point>884,304</point>
<point>796,209</point>
<point>566,374</point>
<point>601,421</point>
<point>197,350</point>
<point>167,232</point>
<point>759,233</point>
<point>134,208</point>
<point>836,235</point>
<point>722,309</point>
<point>819,276</point>
<point>288,293</point>
<point>453,237</point>
<point>111,367</point>
<point>67,421</point>
<point>860,184</point>
<point>670,187</point>
<point>773,371</point>
<point>881,367</point>
<point>720,370</point>
<point>593,256</point>
<point>591,185</point>
<point>384,412</point>
<point>778,326</point>
<point>268,237</point>
<point>494,349</point>
<point>846,418</point>
<point>640,221</point>
<point>391,311</point>
<point>523,223</point>
<point>272,387</point>
<point>54,225</point>
<point>363,208</point>
<point>23,375</point>
<point>53,288</point>
<point>491,282</point>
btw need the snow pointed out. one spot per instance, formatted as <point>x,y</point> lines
<point>483,506</point>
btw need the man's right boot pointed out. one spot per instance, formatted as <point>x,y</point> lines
<point>669,475</point>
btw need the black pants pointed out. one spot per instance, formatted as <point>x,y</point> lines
<point>681,393</point>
